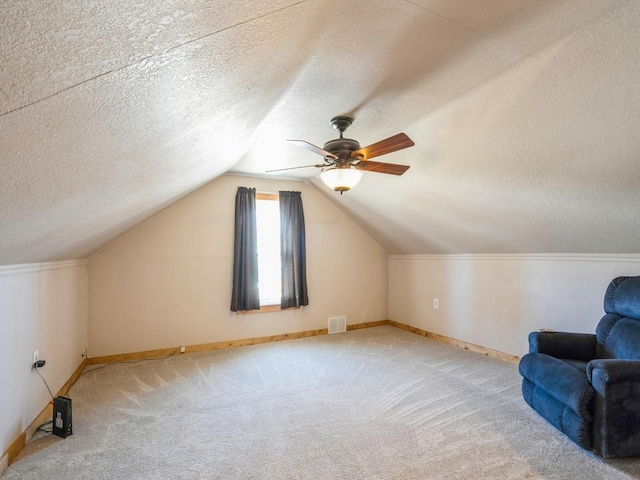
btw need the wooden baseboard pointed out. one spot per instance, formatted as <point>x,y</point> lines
<point>457,343</point>
<point>73,378</point>
<point>4,461</point>
<point>47,412</point>
<point>359,326</point>
<point>129,357</point>
<point>205,347</point>
<point>14,449</point>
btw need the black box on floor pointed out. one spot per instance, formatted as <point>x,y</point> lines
<point>62,417</point>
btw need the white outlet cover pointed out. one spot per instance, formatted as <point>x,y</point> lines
<point>36,356</point>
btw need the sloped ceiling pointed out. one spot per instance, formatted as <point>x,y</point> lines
<point>525,116</point>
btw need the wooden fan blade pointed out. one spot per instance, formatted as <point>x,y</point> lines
<point>319,165</point>
<point>380,167</point>
<point>312,148</point>
<point>388,145</point>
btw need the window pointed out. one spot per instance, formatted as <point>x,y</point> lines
<point>283,218</point>
<point>268,225</point>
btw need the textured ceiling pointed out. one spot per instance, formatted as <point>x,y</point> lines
<point>525,115</point>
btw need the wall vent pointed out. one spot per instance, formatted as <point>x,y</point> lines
<point>337,324</point>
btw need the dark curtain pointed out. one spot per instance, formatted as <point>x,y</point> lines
<point>245,295</point>
<point>293,254</point>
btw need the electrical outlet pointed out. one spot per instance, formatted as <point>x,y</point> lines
<point>36,357</point>
<point>182,349</point>
<point>84,351</point>
<point>436,303</point>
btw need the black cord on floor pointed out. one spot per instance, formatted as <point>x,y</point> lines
<point>42,429</point>
<point>130,361</point>
<point>45,382</point>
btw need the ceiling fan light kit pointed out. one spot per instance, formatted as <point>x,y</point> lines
<point>341,179</point>
<point>344,159</point>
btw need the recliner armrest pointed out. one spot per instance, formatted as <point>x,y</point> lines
<point>602,372</point>
<point>616,410</point>
<point>574,346</point>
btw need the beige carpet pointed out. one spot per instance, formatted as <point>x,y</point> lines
<point>379,403</point>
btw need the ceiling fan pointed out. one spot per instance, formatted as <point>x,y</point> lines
<point>344,160</point>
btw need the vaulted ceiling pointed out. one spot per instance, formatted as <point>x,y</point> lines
<point>525,116</point>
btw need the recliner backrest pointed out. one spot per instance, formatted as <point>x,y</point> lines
<point>618,333</point>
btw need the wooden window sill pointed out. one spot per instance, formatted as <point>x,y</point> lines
<point>265,309</point>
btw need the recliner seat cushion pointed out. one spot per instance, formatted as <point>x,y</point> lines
<point>577,364</point>
<point>557,414</point>
<point>560,380</point>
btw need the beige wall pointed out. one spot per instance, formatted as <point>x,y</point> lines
<point>496,300</point>
<point>168,283</point>
<point>43,307</point>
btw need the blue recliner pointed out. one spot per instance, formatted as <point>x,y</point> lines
<point>588,386</point>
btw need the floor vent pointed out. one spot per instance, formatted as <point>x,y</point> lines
<point>337,324</point>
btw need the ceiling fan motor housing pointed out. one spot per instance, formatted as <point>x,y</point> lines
<point>342,148</point>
